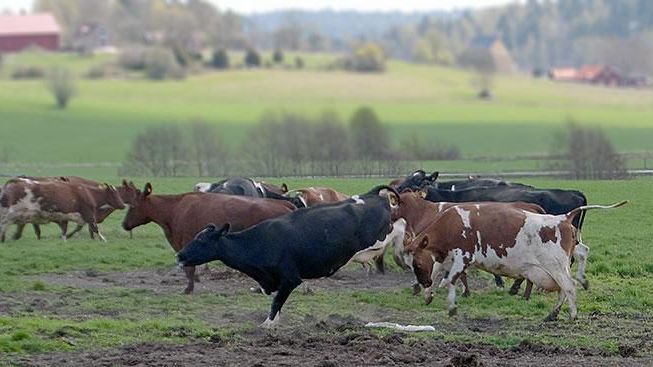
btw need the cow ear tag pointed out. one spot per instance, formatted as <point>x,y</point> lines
<point>422,194</point>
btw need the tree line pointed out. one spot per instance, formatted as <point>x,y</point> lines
<point>281,145</point>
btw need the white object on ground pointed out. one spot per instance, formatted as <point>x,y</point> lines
<point>392,325</point>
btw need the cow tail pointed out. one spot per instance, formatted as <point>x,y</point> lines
<point>582,215</point>
<point>582,209</point>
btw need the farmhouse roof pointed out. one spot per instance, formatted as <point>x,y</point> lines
<point>30,24</point>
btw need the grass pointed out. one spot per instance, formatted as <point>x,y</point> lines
<point>619,303</point>
<point>435,103</point>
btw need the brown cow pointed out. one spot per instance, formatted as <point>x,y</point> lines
<point>502,240</point>
<point>182,216</point>
<point>420,213</point>
<point>27,201</point>
<point>313,196</point>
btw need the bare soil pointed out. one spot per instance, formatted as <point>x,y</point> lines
<point>336,341</point>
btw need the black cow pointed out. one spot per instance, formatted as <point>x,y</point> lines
<point>245,186</point>
<point>307,243</point>
<point>419,179</point>
<point>553,201</point>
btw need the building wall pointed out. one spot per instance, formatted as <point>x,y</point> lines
<point>17,43</point>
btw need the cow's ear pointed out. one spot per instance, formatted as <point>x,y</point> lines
<point>434,176</point>
<point>424,243</point>
<point>394,200</point>
<point>148,189</point>
<point>284,188</point>
<point>423,193</point>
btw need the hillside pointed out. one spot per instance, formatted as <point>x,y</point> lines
<point>433,102</point>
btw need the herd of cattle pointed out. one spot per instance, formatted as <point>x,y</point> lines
<point>280,237</point>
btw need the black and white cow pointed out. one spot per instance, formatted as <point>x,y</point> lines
<point>307,243</point>
<point>245,186</point>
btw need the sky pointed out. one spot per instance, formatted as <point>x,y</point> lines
<point>250,6</point>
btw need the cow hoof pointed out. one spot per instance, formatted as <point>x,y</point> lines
<point>416,289</point>
<point>188,290</point>
<point>465,294</point>
<point>257,290</point>
<point>586,284</point>
<point>428,299</point>
<point>453,312</point>
<point>527,297</point>
<point>513,291</point>
<point>551,317</point>
<point>270,324</point>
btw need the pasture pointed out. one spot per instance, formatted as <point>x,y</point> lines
<point>435,103</point>
<point>83,302</point>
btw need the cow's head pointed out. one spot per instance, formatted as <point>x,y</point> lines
<point>417,180</point>
<point>420,260</point>
<point>127,191</point>
<point>205,247</point>
<point>202,186</point>
<point>138,213</point>
<point>113,197</point>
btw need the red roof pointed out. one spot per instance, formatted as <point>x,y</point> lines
<point>31,24</point>
<point>589,72</point>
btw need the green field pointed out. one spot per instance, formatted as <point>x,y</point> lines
<point>57,296</point>
<point>432,102</point>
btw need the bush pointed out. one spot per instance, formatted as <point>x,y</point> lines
<point>252,58</point>
<point>133,58</point>
<point>369,137</point>
<point>368,57</point>
<point>299,62</point>
<point>61,84</point>
<point>158,151</point>
<point>589,154</point>
<point>220,59</point>
<point>277,56</point>
<point>160,63</point>
<point>102,71</point>
<point>414,148</point>
<point>28,72</point>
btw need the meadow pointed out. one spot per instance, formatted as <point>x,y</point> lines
<point>77,296</point>
<point>435,103</point>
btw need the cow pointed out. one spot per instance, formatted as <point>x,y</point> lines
<point>26,201</point>
<point>101,214</point>
<point>419,214</point>
<point>503,240</point>
<point>553,201</point>
<point>182,216</point>
<point>312,196</point>
<point>243,186</point>
<point>419,180</point>
<point>375,253</point>
<point>308,243</point>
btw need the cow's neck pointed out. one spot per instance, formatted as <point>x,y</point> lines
<point>160,209</point>
<point>241,257</point>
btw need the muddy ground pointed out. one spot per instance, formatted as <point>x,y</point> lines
<point>331,341</point>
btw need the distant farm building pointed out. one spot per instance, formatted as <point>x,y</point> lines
<point>493,48</point>
<point>592,74</point>
<point>18,32</point>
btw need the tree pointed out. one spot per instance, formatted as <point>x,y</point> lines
<point>482,62</point>
<point>368,57</point>
<point>160,63</point>
<point>369,137</point>
<point>277,56</point>
<point>208,150</point>
<point>252,58</point>
<point>61,84</point>
<point>220,59</point>
<point>158,151</point>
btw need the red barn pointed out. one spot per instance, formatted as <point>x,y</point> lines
<point>18,32</point>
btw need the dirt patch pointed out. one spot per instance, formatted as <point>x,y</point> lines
<point>335,341</point>
<point>220,280</point>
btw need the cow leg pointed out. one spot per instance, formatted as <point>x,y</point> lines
<point>581,252</point>
<point>380,264</point>
<point>77,229</point>
<point>19,231</point>
<point>567,292</point>
<point>529,289</point>
<point>451,299</point>
<point>499,281</point>
<point>458,267</point>
<point>515,286</point>
<point>556,310</point>
<point>190,275</point>
<point>64,229</point>
<point>37,231</point>
<point>92,226</point>
<point>279,299</point>
<point>463,279</point>
<point>428,292</point>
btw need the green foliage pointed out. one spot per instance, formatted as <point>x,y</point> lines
<point>277,56</point>
<point>252,58</point>
<point>369,137</point>
<point>299,62</point>
<point>160,63</point>
<point>368,57</point>
<point>61,85</point>
<point>27,72</point>
<point>220,59</point>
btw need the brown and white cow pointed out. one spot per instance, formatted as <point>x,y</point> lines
<point>419,214</point>
<point>182,216</point>
<point>502,240</point>
<point>101,214</point>
<point>312,196</point>
<point>39,202</point>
